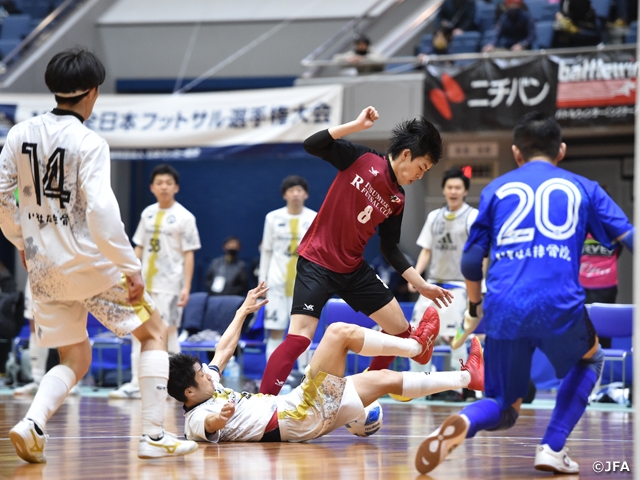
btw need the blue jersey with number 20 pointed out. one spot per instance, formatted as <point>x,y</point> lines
<point>532,223</point>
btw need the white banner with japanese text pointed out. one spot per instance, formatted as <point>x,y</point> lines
<point>197,120</point>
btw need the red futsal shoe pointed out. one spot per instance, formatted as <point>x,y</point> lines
<point>475,366</point>
<point>426,334</point>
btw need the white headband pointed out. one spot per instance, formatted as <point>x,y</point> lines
<point>72,94</point>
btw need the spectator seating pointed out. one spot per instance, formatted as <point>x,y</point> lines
<point>544,34</point>
<point>16,26</point>
<point>613,321</point>
<point>632,34</point>
<point>467,42</point>
<point>542,10</point>
<point>601,8</point>
<point>7,45</point>
<point>485,16</point>
<point>36,8</point>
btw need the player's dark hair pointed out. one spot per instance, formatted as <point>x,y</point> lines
<point>455,172</point>
<point>72,70</point>
<point>362,39</point>
<point>181,375</point>
<point>419,136</point>
<point>537,135</point>
<point>165,169</point>
<point>294,181</point>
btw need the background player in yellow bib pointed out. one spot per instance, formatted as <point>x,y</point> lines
<point>165,240</point>
<point>283,230</point>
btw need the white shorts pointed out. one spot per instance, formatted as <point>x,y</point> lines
<point>167,305</point>
<point>58,324</point>
<point>450,317</point>
<point>317,407</point>
<point>277,312</point>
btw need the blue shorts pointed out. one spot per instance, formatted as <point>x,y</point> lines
<point>508,362</point>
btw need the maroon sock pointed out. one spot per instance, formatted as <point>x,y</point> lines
<point>281,363</point>
<point>380,363</point>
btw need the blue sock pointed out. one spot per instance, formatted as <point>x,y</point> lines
<point>482,415</point>
<point>571,402</point>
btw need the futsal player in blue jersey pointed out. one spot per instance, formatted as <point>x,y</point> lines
<point>532,223</point>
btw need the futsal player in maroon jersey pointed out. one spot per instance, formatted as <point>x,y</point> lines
<point>366,193</point>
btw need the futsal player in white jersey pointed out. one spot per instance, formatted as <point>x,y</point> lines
<point>283,230</point>
<point>442,239</point>
<point>72,242</point>
<point>324,401</point>
<point>165,239</point>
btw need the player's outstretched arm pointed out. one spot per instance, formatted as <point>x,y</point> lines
<point>440,296</point>
<point>229,340</point>
<point>364,121</point>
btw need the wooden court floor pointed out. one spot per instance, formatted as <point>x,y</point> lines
<point>92,437</point>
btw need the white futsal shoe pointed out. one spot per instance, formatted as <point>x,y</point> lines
<point>30,388</point>
<point>441,443</point>
<point>558,462</point>
<point>126,390</point>
<point>29,444</point>
<point>167,446</point>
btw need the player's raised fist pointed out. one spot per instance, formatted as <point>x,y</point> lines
<point>367,117</point>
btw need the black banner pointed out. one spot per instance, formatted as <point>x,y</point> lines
<point>593,89</point>
<point>489,94</point>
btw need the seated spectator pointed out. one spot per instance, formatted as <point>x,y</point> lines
<point>454,18</point>
<point>227,275</point>
<point>576,25</point>
<point>363,58</point>
<point>515,30</point>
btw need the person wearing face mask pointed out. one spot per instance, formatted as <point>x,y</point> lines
<point>362,57</point>
<point>227,274</point>
<point>515,30</point>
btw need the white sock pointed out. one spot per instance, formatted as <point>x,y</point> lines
<point>153,374</point>
<point>416,385</point>
<point>173,344</point>
<point>136,346</point>
<point>38,358</point>
<point>272,344</point>
<point>378,343</point>
<point>54,387</point>
<point>457,354</point>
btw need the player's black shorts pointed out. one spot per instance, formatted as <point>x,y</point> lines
<point>315,285</point>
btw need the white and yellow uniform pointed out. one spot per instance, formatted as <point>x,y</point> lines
<point>445,233</point>
<point>68,223</point>
<point>280,239</point>
<point>314,408</point>
<point>165,234</point>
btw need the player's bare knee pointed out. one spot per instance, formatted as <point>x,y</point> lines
<point>152,329</point>
<point>342,331</point>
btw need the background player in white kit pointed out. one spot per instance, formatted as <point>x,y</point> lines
<point>72,242</point>
<point>442,240</point>
<point>165,240</point>
<point>283,230</point>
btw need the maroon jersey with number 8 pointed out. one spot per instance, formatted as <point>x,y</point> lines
<point>363,195</point>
